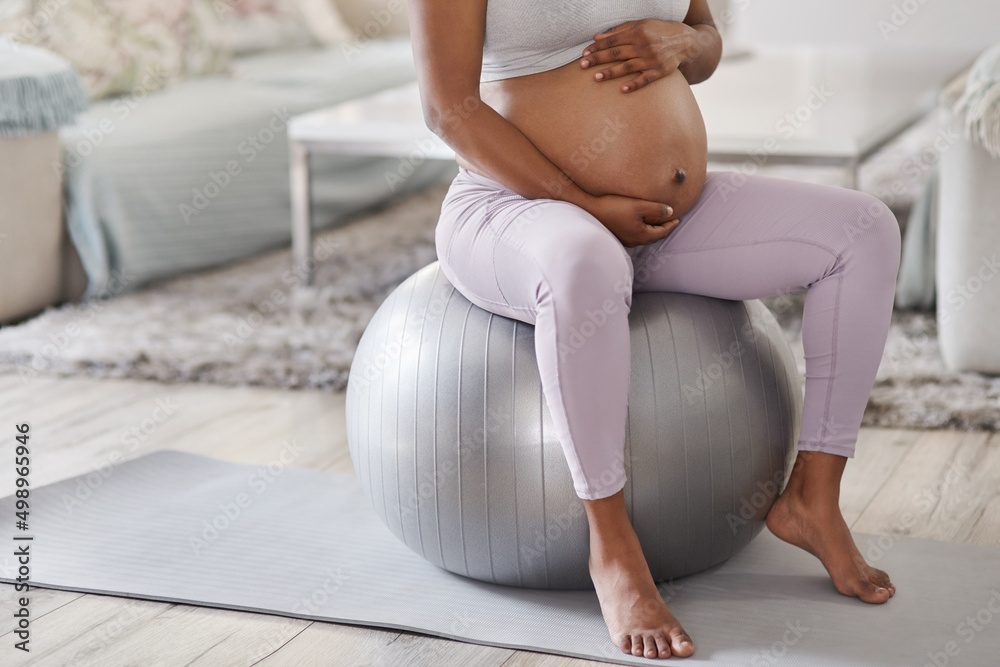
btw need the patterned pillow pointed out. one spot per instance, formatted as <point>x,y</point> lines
<point>132,46</point>
<point>120,46</point>
<point>249,26</point>
<point>375,18</point>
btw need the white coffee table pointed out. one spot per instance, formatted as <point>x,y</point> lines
<point>776,106</point>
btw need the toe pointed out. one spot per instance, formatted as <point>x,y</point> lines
<point>873,593</point>
<point>881,580</point>
<point>681,644</point>
<point>625,643</point>
<point>663,645</point>
<point>637,647</point>
<point>649,643</point>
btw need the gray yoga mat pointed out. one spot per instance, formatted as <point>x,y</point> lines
<point>306,544</point>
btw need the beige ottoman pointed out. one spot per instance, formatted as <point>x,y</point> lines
<point>38,266</point>
<point>38,263</point>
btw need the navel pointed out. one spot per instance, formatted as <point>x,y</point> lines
<point>679,175</point>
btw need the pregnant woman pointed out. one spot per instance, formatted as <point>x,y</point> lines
<point>582,179</point>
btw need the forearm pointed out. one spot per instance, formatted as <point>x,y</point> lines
<point>705,51</point>
<point>496,148</point>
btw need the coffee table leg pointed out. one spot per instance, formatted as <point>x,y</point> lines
<point>302,254</point>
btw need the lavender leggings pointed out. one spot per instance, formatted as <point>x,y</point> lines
<point>552,264</point>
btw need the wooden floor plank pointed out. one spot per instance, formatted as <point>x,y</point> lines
<point>248,426</point>
<point>211,638</point>
<point>356,646</point>
<point>10,383</point>
<point>42,601</point>
<point>940,489</point>
<point>60,403</point>
<point>879,452</point>
<point>88,626</point>
<point>533,659</point>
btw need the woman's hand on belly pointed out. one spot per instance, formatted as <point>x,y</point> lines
<point>633,221</point>
<point>649,49</point>
<point>607,143</point>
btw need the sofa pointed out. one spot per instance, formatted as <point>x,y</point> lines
<point>149,188</point>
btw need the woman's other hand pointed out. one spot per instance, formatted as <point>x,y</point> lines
<point>634,222</point>
<point>649,49</point>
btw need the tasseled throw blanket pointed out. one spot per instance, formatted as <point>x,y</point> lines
<point>39,91</point>
<point>975,100</point>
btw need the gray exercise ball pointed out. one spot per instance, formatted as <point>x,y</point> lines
<point>455,449</point>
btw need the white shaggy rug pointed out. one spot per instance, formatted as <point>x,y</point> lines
<point>245,324</point>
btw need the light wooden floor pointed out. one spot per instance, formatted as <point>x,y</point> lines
<point>947,481</point>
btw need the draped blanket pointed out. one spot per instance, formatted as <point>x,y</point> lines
<point>976,101</point>
<point>39,91</point>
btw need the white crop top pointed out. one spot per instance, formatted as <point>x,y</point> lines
<point>531,36</point>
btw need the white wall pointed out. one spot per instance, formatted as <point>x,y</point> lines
<point>937,24</point>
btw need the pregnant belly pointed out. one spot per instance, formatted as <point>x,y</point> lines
<point>609,142</point>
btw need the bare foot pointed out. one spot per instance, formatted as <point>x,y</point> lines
<point>634,611</point>
<point>820,529</point>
